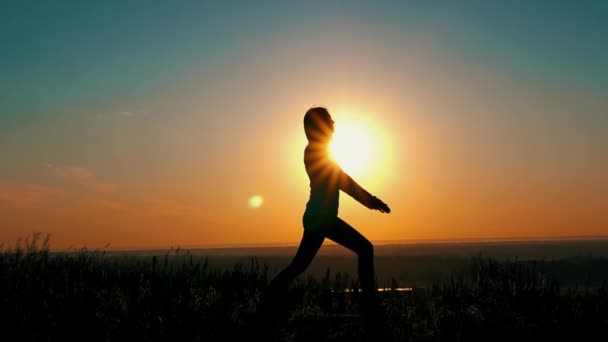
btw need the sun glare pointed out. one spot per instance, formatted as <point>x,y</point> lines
<point>352,148</point>
<point>359,146</point>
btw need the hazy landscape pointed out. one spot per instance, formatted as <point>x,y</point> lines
<point>419,264</point>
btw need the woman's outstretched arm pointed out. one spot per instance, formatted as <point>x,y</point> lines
<point>356,191</point>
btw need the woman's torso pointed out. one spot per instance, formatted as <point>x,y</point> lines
<point>324,190</point>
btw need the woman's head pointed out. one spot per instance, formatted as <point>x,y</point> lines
<point>318,124</point>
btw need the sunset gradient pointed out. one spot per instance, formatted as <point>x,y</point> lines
<point>161,125</point>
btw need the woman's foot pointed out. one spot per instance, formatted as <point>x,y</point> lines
<point>373,314</point>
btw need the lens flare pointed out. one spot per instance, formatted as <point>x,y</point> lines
<point>256,201</point>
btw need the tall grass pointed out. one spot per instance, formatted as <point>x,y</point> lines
<point>89,295</point>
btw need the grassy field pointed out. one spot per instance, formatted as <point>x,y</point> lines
<point>177,296</point>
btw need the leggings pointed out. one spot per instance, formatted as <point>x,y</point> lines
<point>335,229</point>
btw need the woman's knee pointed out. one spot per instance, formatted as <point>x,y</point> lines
<point>297,268</point>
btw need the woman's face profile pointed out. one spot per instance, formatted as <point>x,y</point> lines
<point>331,125</point>
<point>327,128</point>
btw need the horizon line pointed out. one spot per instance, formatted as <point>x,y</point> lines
<point>239,245</point>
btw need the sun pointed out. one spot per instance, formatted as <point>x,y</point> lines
<point>360,147</point>
<point>352,148</point>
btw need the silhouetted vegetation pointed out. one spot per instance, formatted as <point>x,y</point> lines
<point>90,295</point>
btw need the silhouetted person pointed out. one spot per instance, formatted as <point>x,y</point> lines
<point>321,219</point>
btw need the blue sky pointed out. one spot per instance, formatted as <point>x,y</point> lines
<point>59,52</point>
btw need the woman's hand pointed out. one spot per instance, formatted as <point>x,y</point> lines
<point>377,204</point>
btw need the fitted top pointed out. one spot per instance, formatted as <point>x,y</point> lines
<point>326,180</point>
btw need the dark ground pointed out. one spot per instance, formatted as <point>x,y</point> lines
<point>177,296</point>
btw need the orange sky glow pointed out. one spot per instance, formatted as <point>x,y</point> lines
<point>459,150</point>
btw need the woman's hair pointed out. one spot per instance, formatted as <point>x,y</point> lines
<point>316,122</point>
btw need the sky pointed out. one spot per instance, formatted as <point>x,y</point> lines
<point>145,124</point>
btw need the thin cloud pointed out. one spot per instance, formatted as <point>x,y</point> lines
<point>129,114</point>
<point>84,177</point>
<point>103,188</point>
<point>21,196</point>
<point>71,172</point>
<point>110,206</point>
<point>169,207</point>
